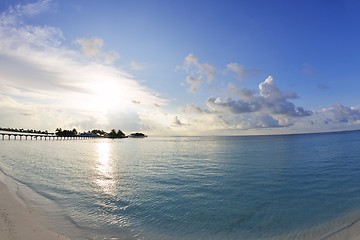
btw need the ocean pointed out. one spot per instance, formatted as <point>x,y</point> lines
<point>252,187</point>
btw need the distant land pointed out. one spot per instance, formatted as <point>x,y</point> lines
<point>73,133</point>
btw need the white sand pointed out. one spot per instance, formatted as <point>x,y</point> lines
<point>350,233</point>
<point>17,222</point>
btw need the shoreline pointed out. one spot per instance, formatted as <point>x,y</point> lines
<point>16,219</point>
<point>18,222</point>
<point>348,231</point>
<point>346,227</point>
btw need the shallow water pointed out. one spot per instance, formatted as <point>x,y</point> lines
<point>262,187</point>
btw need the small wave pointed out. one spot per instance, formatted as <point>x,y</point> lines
<point>344,227</point>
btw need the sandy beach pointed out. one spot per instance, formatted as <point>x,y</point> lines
<point>351,232</point>
<point>17,221</point>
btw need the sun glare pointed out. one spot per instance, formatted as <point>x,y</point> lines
<point>106,95</point>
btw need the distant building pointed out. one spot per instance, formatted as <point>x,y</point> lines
<point>137,135</point>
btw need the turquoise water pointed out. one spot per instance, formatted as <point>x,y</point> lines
<point>261,187</point>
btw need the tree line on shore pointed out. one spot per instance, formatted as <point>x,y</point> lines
<point>24,130</point>
<point>73,133</point>
<point>97,133</point>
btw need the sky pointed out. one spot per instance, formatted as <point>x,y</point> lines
<point>230,67</point>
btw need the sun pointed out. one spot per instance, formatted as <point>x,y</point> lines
<point>106,95</point>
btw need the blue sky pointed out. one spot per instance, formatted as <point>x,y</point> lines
<point>180,67</point>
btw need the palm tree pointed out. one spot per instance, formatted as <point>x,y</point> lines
<point>120,134</point>
<point>58,131</point>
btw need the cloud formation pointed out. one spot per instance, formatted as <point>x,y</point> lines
<point>194,83</point>
<point>92,47</point>
<point>239,70</point>
<point>232,106</point>
<point>247,109</point>
<point>136,65</point>
<point>74,86</point>
<point>198,72</point>
<point>267,110</point>
<point>19,11</point>
<point>269,100</point>
<point>345,114</point>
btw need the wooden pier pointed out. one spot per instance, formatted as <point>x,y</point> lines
<point>28,136</point>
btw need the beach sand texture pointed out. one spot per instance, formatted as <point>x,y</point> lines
<point>16,221</point>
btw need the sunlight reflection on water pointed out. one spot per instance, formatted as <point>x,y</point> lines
<point>105,173</point>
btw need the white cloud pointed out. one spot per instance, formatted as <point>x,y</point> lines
<point>19,11</point>
<point>239,70</point>
<point>191,59</point>
<point>194,83</point>
<point>198,72</point>
<point>242,93</point>
<point>232,106</point>
<point>192,109</point>
<point>195,120</point>
<point>345,114</point>
<point>334,118</point>
<point>92,47</point>
<point>208,70</point>
<point>177,122</point>
<point>206,73</point>
<point>276,102</point>
<point>269,90</point>
<point>136,66</point>
<point>22,115</point>
<point>249,110</point>
<point>57,79</point>
<point>268,110</point>
<point>269,100</point>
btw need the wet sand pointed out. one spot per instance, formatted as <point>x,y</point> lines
<point>17,221</point>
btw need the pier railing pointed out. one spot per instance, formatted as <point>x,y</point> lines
<point>29,136</point>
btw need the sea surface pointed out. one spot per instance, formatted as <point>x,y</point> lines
<point>254,187</point>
